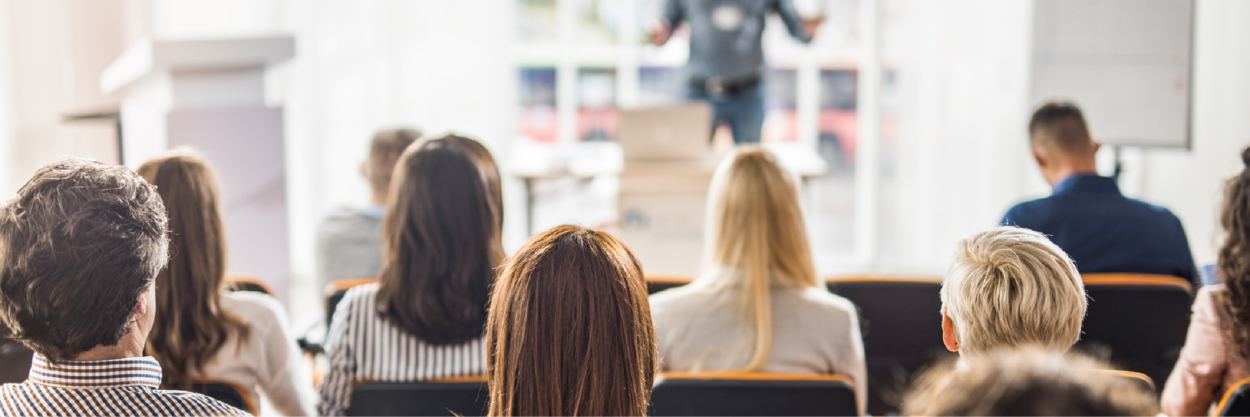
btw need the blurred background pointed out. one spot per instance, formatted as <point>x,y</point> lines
<point>934,149</point>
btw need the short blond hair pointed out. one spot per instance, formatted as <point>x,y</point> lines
<point>1010,287</point>
<point>1028,382</point>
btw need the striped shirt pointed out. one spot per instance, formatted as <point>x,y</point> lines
<point>364,346</point>
<point>119,387</point>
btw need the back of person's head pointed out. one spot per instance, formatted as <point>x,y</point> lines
<point>1028,382</point>
<point>570,329</point>
<point>1234,259</point>
<point>1010,287</point>
<point>384,151</point>
<point>441,240</point>
<point>755,225</point>
<point>190,326</point>
<point>79,245</point>
<point>1059,126</point>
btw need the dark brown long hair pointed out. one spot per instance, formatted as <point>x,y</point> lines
<point>1234,260</point>
<point>190,325</point>
<point>570,329</point>
<point>441,240</point>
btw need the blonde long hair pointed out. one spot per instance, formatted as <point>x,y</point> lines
<point>755,225</point>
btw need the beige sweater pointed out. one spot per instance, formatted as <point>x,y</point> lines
<point>814,331</point>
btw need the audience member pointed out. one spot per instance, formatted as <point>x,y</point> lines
<point>1010,287</point>
<point>570,331</point>
<point>1087,216</point>
<point>425,318</point>
<point>82,244</point>
<point>758,305</point>
<point>200,331</point>
<point>347,241</point>
<point>1218,344</point>
<point>1028,382</point>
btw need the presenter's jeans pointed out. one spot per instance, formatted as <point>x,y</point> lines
<point>743,111</point>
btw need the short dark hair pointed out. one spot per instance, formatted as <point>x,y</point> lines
<point>384,151</point>
<point>1060,125</point>
<point>79,245</point>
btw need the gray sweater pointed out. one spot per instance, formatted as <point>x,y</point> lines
<point>814,331</point>
<point>348,246</point>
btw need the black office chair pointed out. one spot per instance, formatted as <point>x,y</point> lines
<point>901,321</point>
<point>1139,320</point>
<point>657,283</point>
<point>752,394</point>
<point>225,392</point>
<point>465,396</point>
<point>14,358</point>
<point>246,283</point>
<point>1236,400</point>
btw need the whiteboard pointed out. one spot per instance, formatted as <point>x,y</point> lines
<point>1126,63</point>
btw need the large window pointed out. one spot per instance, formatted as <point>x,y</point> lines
<point>579,61</point>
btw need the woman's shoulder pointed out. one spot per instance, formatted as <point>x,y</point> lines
<point>254,308</point>
<point>821,298</point>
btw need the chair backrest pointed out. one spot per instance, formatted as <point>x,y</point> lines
<point>1236,401</point>
<point>335,290</point>
<point>226,392</point>
<point>900,318</point>
<point>1141,380</point>
<point>461,396</point>
<point>657,283</point>
<point>752,394</point>
<point>14,358</point>
<point>241,282</point>
<point>1140,320</point>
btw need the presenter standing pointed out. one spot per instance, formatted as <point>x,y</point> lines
<point>726,65</point>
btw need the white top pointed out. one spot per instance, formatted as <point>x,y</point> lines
<point>363,345</point>
<point>814,331</point>
<point>269,361</point>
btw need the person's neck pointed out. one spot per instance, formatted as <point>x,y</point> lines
<point>1074,168</point>
<point>377,198</point>
<point>131,346</point>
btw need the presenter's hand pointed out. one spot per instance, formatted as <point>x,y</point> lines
<point>810,26</point>
<point>660,33</point>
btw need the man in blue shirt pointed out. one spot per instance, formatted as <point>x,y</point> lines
<point>726,62</point>
<point>1101,229</point>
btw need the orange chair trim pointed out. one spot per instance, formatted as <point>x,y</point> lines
<point>346,284</point>
<point>910,279</point>
<point>1228,395</point>
<point>443,380</point>
<point>1131,375</point>
<point>1136,279</point>
<point>249,280</point>
<point>247,399</point>
<point>756,376</point>
<point>670,279</point>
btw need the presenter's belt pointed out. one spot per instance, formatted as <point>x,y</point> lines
<point>720,87</point>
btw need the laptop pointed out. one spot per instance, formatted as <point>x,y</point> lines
<point>680,132</point>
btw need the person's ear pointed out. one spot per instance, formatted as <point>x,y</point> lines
<point>1040,158</point>
<point>1097,146</point>
<point>949,338</point>
<point>364,170</point>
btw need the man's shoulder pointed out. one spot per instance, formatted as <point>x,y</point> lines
<point>350,215</point>
<point>1029,212</point>
<point>208,406</point>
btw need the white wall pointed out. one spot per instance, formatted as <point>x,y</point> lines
<point>1190,183</point>
<point>960,158</point>
<point>52,54</point>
